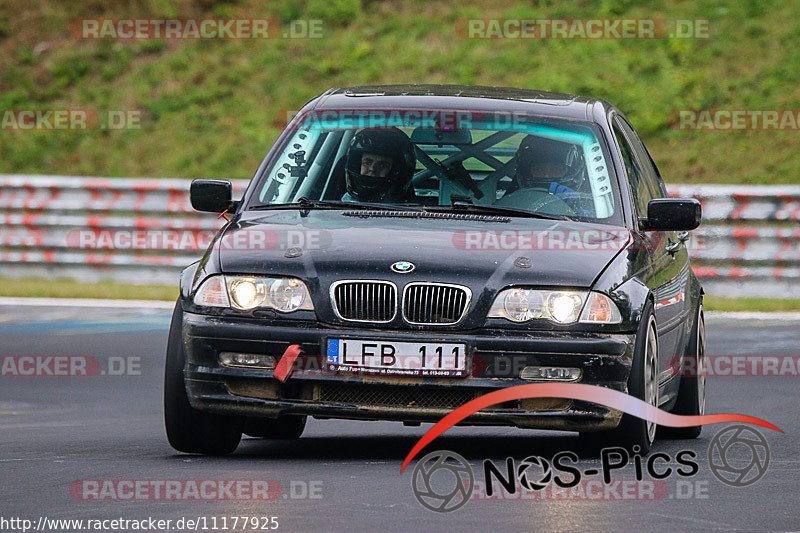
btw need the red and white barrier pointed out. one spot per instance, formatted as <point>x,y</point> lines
<point>74,193</point>
<point>746,244</point>
<point>130,230</point>
<point>59,226</point>
<point>744,202</point>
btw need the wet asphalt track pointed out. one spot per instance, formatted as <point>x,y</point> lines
<point>56,430</point>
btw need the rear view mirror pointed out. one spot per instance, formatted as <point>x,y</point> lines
<point>213,196</point>
<point>673,214</point>
<point>441,136</point>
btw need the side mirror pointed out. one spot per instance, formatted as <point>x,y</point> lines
<point>211,195</point>
<point>673,214</point>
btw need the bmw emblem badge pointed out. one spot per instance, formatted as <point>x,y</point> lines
<point>403,267</point>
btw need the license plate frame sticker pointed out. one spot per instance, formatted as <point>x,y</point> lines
<point>397,358</point>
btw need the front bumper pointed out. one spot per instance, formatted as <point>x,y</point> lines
<point>496,357</point>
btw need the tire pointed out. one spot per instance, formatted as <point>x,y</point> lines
<point>634,434</point>
<point>283,427</point>
<point>190,430</point>
<point>692,389</point>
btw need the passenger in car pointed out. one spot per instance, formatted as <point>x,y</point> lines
<point>379,167</point>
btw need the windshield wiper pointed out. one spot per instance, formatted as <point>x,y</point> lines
<point>496,210</point>
<point>307,203</point>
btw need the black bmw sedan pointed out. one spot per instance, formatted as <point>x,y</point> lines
<point>402,250</point>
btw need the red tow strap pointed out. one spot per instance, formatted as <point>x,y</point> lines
<point>286,364</point>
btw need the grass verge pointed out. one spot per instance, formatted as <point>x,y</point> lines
<point>65,288</point>
<point>722,303</point>
<point>212,107</point>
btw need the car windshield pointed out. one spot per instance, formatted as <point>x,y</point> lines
<point>442,160</point>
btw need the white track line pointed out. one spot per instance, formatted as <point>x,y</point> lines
<point>754,315</point>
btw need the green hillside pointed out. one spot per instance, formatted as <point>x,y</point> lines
<point>208,107</point>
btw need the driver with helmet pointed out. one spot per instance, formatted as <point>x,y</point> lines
<point>549,165</point>
<point>379,167</point>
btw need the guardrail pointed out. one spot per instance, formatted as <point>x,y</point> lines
<point>46,219</point>
<point>59,227</point>
<point>749,241</point>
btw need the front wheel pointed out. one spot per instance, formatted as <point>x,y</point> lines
<point>633,433</point>
<point>190,430</point>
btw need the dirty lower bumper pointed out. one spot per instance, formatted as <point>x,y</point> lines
<point>496,358</point>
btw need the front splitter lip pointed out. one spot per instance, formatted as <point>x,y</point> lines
<point>580,416</point>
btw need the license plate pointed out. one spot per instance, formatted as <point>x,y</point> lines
<point>397,358</point>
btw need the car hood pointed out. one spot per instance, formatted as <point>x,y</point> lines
<point>327,245</point>
<point>323,246</point>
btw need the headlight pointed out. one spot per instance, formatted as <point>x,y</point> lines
<point>289,295</point>
<point>249,292</point>
<point>564,307</point>
<point>521,305</point>
<point>560,307</point>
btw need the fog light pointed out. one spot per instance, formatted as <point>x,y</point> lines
<point>550,372</point>
<point>247,360</point>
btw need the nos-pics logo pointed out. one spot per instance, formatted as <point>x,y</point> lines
<point>444,481</point>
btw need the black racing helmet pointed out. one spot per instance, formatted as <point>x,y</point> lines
<point>557,157</point>
<point>389,142</point>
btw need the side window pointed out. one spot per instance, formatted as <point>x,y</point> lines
<point>636,179</point>
<point>659,180</point>
<point>654,182</point>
